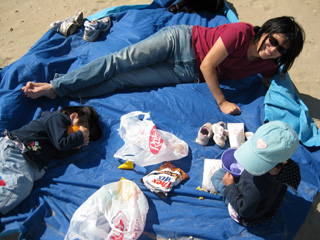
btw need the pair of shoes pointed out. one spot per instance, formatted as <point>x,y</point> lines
<point>68,26</point>
<point>220,133</point>
<point>204,134</point>
<point>93,28</point>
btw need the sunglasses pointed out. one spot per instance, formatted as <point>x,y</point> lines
<point>275,43</point>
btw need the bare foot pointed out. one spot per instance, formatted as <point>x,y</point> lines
<point>35,90</point>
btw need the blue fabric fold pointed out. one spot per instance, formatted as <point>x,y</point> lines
<point>283,103</point>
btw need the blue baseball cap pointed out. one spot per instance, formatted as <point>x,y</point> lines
<point>273,143</point>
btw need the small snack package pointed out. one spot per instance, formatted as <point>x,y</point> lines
<point>162,180</point>
<point>209,168</point>
<point>236,134</point>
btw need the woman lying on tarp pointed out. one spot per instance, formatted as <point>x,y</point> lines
<point>185,54</point>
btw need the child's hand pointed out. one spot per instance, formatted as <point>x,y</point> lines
<point>85,133</point>
<point>227,179</point>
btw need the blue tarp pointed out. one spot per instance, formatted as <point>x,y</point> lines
<point>180,109</point>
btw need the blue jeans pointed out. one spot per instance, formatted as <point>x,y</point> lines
<point>218,184</point>
<point>165,58</point>
<point>16,176</point>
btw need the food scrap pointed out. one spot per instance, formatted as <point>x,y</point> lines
<point>201,189</point>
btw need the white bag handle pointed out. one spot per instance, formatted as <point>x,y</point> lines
<point>135,114</point>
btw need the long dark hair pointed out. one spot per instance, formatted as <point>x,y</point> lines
<point>295,37</point>
<point>88,117</point>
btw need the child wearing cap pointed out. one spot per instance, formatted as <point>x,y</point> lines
<point>268,172</point>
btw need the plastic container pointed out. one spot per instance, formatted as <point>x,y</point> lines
<point>230,163</point>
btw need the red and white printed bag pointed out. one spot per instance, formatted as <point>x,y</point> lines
<point>144,144</point>
<point>117,211</point>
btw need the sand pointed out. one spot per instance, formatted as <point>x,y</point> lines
<point>23,22</point>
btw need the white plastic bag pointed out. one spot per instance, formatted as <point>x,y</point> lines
<point>144,144</point>
<point>116,211</point>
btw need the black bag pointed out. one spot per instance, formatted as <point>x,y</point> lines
<point>192,6</point>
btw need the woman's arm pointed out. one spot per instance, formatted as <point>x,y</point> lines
<point>208,68</point>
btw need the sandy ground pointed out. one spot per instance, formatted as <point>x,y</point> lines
<point>23,22</point>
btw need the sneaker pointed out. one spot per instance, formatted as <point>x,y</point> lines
<point>93,28</point>
<point>220,133</point>
<point>204,134</point>
<point>68,26</point>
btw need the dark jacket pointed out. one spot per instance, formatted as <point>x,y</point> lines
<point>46,138</point>
<point>255,198</point>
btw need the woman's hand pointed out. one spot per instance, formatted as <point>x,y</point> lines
<point>85,133</point>
<point>230,108</point>
<point>227,179</point>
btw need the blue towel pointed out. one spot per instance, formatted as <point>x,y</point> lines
<point>282,103</point>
